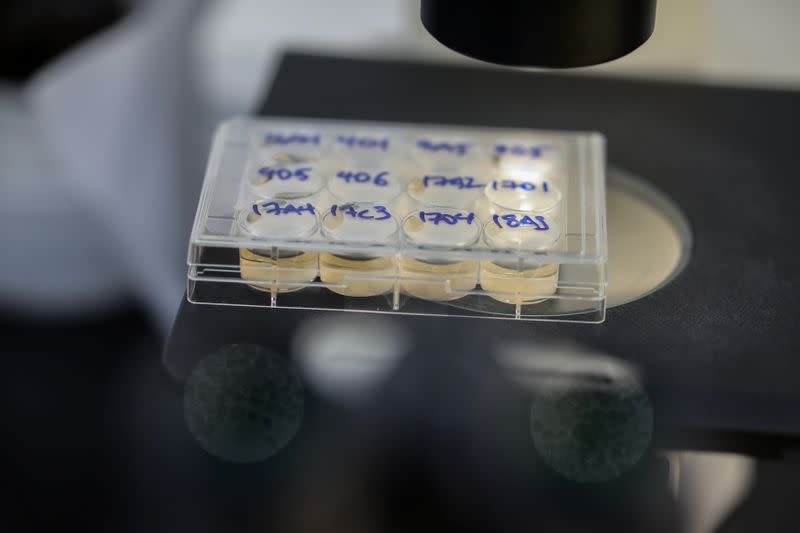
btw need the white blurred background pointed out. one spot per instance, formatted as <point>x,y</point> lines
<point>742,42</point>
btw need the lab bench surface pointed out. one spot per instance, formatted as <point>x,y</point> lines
<point>718,346</point>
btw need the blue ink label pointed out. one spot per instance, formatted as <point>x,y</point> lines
<point>276,209</point>
<point>436,218</point>
<point>284,174</point>
<point>537,222</point>
<point>456,182</point>
<point>458,149</point>
<point>373,212</point>
<point>521,150</point>
<point>527,186</point>
<point>366,143</point>
<point>379,179</point>
<point>285,139</point>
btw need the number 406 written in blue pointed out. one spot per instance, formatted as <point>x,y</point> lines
<point>378,179</point>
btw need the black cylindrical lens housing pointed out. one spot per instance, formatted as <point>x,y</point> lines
<point>541,33</point>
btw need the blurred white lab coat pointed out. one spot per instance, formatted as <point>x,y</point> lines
<point>108,195</point>
<point>102,203</point>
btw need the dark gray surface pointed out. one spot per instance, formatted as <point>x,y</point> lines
<point>721,339</point>
<point>718,346</point>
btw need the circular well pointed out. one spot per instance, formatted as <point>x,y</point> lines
<point>649,245</point>
<point>441,228</point>
<point>649,238</point>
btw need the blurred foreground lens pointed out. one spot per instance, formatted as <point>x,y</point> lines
<point>592,434</point>
<point>243,403</point>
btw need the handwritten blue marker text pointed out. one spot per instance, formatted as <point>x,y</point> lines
<point>274,208</point>
<point>458,182</point>
<point>283,174</point>
<point>519,150</point>
<point>513,221</point>
<point>367,143</point>
<point>375,212</point>
<point>452,148</point>
<point>378,179</point>
<point>435,218</point>
<point>291,138</point>
<point>527,186</point>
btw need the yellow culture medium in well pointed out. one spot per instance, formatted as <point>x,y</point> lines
<point>276,269</point>
<point>436,279</point>
<point>290,272</point>
<point>359,274</point>
<point>514,286</point>
<point>520,280</point>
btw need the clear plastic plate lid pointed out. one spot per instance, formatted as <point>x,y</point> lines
<point>486,202</point>
<point>441,228</point>
<point>359,222</point>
